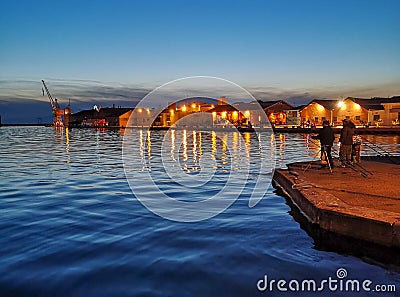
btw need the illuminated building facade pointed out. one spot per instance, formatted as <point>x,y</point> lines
<point>101,117</point>
<point>317,111</point>
<point>239,114</point>
<point>207,112</point>
<point>362,112</point>
<point>222,113</point>
<point>188,112</point>
<point>392,112</point>
<point>276,111</point>
<point>142,117</point>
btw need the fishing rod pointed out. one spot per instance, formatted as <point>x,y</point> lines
<point>362,170</point>
<point>354,164</point>
<point>376,147</point>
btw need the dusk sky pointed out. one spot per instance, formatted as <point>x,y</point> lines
<point>105,52</point>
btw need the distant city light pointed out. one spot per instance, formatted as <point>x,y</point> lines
<point>184,108</point>
<point>340,104</point>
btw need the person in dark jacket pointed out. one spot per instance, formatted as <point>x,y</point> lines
<point>326,136</point>
<point>346,142</point>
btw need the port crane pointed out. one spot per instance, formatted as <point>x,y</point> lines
<point>57,111</point>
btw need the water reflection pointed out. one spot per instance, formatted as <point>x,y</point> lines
<point>184,146</point>
<point>82,219</point>
<point>67,145</point>
<point>172,139</point>
<point>387,257</point>
<point>213,154</point>
<point>213,144</point>
<point>371,144</point>
<point>149,143</point>
<point>388,143</point>
<point>301,147</point>
<point>141,149</point>
<point>188,146</point>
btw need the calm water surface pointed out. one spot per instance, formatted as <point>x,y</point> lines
<point>70,226</point>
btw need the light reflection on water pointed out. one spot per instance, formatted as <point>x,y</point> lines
<point>70,226</point>
<point>301,147</point>
<point>188,146</point>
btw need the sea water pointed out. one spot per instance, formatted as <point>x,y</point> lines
<point>71,226</point>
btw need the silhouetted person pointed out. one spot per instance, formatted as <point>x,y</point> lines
<point>346,142</point>
<point>326,136</point>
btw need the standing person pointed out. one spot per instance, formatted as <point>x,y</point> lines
<point>346,142</point>
<point>326,136</point>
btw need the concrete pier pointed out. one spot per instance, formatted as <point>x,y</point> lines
<point>358,202</point>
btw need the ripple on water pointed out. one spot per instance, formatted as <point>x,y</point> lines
<point>70,225</point>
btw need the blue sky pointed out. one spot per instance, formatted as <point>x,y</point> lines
<point>97,50</point>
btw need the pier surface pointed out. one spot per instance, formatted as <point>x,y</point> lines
<point>359,202</point>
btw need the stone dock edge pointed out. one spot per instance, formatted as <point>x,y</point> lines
<point>354,222</point>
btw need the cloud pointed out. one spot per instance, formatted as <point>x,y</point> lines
<point>305,95</point>
<point>79,90</point>
<point>22,101</point>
